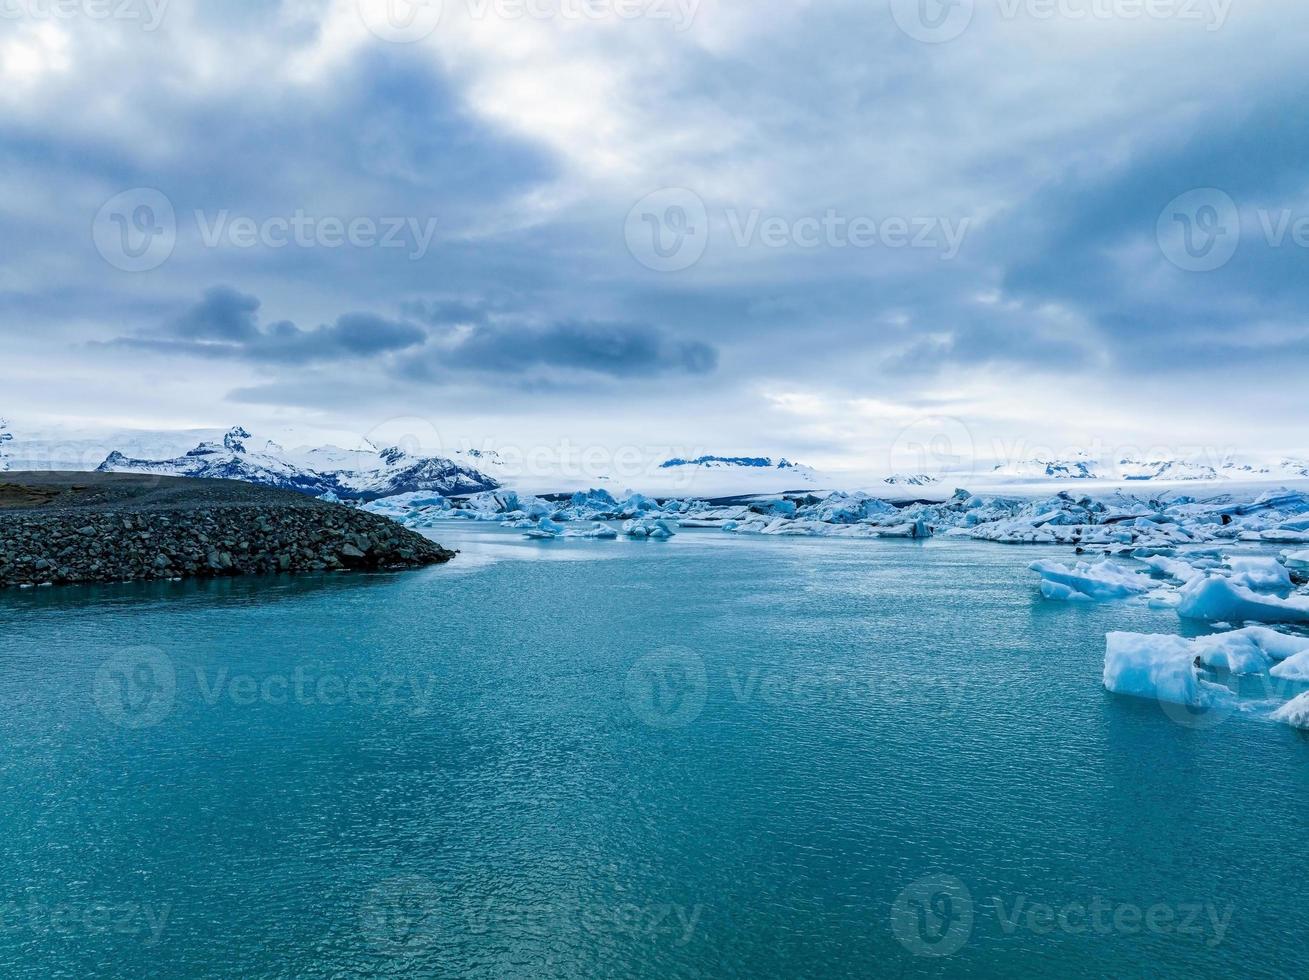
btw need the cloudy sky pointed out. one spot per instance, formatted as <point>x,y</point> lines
<point>796,228</point>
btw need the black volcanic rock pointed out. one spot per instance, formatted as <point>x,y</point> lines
<point>58,528</point>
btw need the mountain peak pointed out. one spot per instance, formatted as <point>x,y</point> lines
<point>234,440</point>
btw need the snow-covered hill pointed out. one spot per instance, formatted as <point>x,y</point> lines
<point>725,476</point>
<point>1131,469</point>
<point>347,474</point>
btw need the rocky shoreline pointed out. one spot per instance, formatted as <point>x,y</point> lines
<point>66,528</point>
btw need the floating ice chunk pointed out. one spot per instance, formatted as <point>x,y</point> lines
<point>916,529</point>
<point>1294,668</point>
<point>644,527</point>
<point>598,531</point>
<point>1172,568</point>
<point>1158,667</point>
<point>1298,560</point>
<point>1262,573</point>
<point>1066,593</point>
<point>1295,712</point>
<point>1103,581</point>
<point>546,529</point>
<point>1214,599</point>
<point>1236,652</point>
<point>1283,536</point>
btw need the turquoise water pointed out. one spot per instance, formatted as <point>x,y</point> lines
<point>718,757</point>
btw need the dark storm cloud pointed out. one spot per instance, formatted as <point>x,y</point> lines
<point>225,324</point>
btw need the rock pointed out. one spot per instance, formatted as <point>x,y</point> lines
<point>208,528</point>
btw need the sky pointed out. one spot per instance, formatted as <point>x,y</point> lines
<point>837,231</point>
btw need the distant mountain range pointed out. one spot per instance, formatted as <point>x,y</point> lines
<point>1082,466</point>
<point>346,474</point>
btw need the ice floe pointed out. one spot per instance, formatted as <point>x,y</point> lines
<point>1158,667</point>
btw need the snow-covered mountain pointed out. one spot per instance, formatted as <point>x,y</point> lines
<point>911,480</point>
<point>1165,469</point>
<point>723,476</point>
<point>1080,466</point>
<point>348,474</point>
<point>1083,466</point>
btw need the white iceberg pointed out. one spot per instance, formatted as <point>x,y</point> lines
<point>1158,667</point>
<point>1295,712</point>
<point>651,528</point>
<point>1216,599</point>
<point>1261,574</point>
<point>1086,581</point>
<point>598,531</point>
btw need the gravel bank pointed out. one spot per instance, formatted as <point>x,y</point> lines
<point>63,528</point>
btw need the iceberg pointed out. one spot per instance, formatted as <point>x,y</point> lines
<point>1295,667</point>
<point>1215,599</point>
<point>643,528</point>
<point>596,532</point>
<point>1158,667</point>
<point>1298,560</point>
<point>1085,581</point>
<point>1260,574</point>
<point>1295,712</point>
